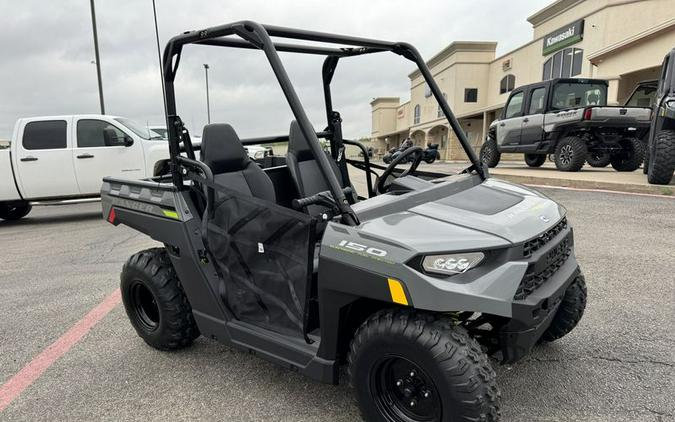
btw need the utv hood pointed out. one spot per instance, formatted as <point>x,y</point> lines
<point>490,214</point>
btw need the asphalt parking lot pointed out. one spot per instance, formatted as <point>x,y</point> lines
<point>60,262</point>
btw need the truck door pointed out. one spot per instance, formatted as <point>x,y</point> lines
<point>103,149</point>
<point>508,129</point>
<point>43,159</point>
<point>532,128</point>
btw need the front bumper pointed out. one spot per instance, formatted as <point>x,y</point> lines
<point>532,316</point>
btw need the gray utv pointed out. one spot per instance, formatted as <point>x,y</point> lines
<point>412,285</point>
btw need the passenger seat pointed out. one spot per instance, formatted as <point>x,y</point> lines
<point>232,168</point>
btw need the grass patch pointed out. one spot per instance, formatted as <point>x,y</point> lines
<point>666,191</point>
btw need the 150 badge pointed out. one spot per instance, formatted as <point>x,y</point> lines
<point>357,247</point>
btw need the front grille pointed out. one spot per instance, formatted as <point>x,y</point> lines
<point>532,245</point>
<point>555,258</point>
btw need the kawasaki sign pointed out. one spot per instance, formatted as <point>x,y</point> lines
<point>563,37</point>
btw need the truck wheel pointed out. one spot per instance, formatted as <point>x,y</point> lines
<point>662,163</point>
<point>407,366</point>
<point>570,154</point>
<point>631,155</point>
<point>535,160</point>
<point>597,159</point>
<point>155,301</point>
<point>570,311</point>
<point>489,153</point>
<point>14,210</point>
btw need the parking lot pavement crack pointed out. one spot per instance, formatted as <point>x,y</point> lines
<point>658,413</point>
<point>605,358</point>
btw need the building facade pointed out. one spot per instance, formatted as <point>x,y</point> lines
<point>622,41</point>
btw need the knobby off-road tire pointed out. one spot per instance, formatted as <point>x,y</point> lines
<point>570,311</point>
<point>598,159</point>
<point>155,301</point>
<point>489,153</point>
<point>570,154</point>
<point>409,366</point>
<point>15,210</point>
<point>631,156</point>
<point>535,160</point>
<point>662,163</point>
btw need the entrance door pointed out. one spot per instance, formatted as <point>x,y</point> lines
<point>508,129</point>
<point>103,149</point>
<point>44,160</point>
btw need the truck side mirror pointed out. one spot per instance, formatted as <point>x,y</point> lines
<point>128,141</point>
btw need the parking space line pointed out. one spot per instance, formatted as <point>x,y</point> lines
<point>13,388</point>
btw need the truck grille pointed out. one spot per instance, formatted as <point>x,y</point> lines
<point>555,258</point>
<point>532,245</point>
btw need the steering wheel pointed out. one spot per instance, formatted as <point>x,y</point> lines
<point>418,151</point>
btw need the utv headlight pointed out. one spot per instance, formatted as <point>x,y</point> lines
<point>452,263</point>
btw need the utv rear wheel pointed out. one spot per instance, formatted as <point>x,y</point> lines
<point>662,162</point>
<point>14,210</point>
<point>407,367</point>
<point>570,311</point>
<point>598,159</point>
<point>570,154</point>
<point>535,160</point>
<point>155,301</point>
<point>631,156</point>
<point>489,153</point>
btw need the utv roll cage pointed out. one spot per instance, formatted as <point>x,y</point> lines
<point>252,35</point>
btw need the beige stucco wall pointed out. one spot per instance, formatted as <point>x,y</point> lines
<point>624,41</point>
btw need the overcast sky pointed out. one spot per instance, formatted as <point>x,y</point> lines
<point>47,54</point>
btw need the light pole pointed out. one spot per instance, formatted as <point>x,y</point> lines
<point>208,105</point>
<point>98,58</point>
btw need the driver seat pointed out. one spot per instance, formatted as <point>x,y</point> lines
<point>232,168</point>
<point>304,169</point>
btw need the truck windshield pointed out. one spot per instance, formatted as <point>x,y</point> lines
<point>137,128</point>
<point>572,95</point>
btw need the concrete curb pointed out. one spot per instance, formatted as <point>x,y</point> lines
<point>668,190</point>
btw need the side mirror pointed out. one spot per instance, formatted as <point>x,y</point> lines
<point>111,139</point>
<point>128,141</point>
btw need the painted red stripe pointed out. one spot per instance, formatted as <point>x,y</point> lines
<point>10,390</point>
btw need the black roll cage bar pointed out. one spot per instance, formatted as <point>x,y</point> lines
<point>252,35</point>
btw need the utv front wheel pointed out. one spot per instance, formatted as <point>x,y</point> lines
<point>570,311</point>
<point>489,153</point>
<point>598,159</point>
<point>662,165</point>
<point>155,301</point>
<point>535,160</point>
<point>570,154</point>
<point>631,156</point>
<point>407,367</point>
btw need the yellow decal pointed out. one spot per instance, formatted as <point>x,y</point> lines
<point>397,293</point>
<point>171,214</point>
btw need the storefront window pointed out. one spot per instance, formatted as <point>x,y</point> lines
<point>439,112</point>
<point>563,64</point>
<point>507,84</point>
<point>416,118</point>
<point>470,95</point>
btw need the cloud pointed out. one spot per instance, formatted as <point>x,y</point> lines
<point>48,52</point>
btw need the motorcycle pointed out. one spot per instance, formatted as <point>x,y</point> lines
<point>429,155</point>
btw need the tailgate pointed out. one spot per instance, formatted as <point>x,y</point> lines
<point>8,190</point>
<point>638,116</point>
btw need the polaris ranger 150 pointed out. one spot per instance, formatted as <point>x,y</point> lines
<point>412,286</point>
<point>570,119</point>
<point>661,144</point>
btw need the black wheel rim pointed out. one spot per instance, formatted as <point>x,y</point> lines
<point>403,392</point>
<point>487,154</point>
<point>145,306</point>
<point>566,154</point>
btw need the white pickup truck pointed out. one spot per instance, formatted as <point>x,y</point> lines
<point>58,158</point>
